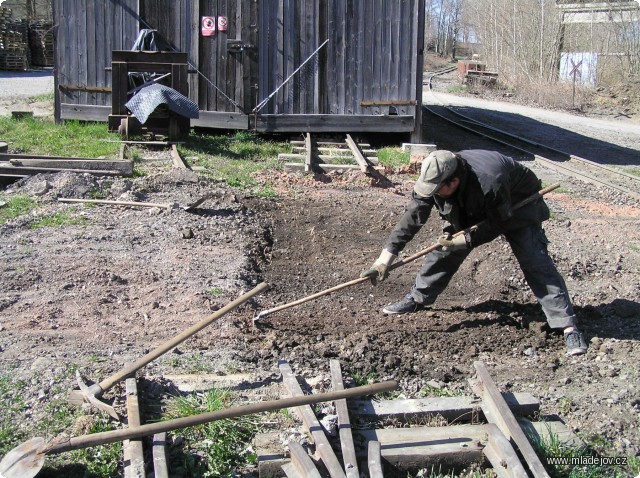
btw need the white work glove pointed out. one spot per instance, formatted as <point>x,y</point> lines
<point>450,243</point>
<point>379,271</point>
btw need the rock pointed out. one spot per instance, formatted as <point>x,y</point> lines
<point>596,341</point>
<point>41,363</point>
<point>42,188</point>
<point>537,327</point>
<point>330,424</point>
<point>187,233</point>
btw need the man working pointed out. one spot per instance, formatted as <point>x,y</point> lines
<point>467,188</point>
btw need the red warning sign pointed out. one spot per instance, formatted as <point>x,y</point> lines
<point>208,26</point>
<point>222,24</point>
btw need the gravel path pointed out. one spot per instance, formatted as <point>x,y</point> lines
<point>25,84</point>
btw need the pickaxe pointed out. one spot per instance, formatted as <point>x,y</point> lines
<point>93,392</point>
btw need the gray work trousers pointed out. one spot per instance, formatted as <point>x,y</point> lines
<point>529,245</point>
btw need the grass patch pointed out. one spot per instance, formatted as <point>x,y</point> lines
<point>45,97</point>
<point>222,445</point>
<point>61,219</point>
<point>438,473</point>
<point>57,415</point>
<point>553,450</point>
<point>11,404</point>
<point>193,363</point>
<point>393,157</point>
<point>235,159</point>
<point>16,206</point>
<point>457,89</point>
<point>634,247</point>
<point>73,138</point>
<point>102,461</point>
<point>215,291</point>
<point>360,379</point>
<point>101,192</point>
<point>429,391</point>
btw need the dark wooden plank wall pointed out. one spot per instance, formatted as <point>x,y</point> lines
<point>371,55</point>
<point>178,22</point>
<point>222,82</point>
<point>288,35</point>
<point>89,30</point>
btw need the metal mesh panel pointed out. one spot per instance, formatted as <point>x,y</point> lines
<point>150,97</point>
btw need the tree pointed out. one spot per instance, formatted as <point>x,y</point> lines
<point>443,25</point>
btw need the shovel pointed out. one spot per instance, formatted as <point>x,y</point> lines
<point>91,393</point>
<point>27,459</point>
<point>188,207</point>
<point>406,260</point>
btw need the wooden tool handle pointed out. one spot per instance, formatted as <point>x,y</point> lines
<point>85,441</point>
<point>109,382</point>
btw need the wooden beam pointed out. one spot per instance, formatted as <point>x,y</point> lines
<point>323,446</point>
<point>334,123</point>
<point>457,409</point>
<point>424,447</point>
<point>357,154</point>
<point>344,424</point>
<point>290,471</point>
<point>13,170</point>
<point>160,468</point>
<point>327,144</point>
<point>304,465</point>
<point>387,102</point>
<point>124,167</point>
<point>374,459</point>
<point>84,112</point>
<point>221,120</point>
<point>551,430</point>
<point>308,157</point>
<point>10,156</point>
<point>325,158</point>
<point>132,449</point>
<point>176,159</point>
<point>152,58</point>
<point>323,166</point>
<point>271,456</point>
<point>502,456</point>
<point>95,89</point>
<point>497,411</point>
<point>117,203</point>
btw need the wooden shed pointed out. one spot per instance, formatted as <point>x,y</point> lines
<point>265,65</point>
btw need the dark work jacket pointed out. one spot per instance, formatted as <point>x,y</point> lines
<point>490,184</point>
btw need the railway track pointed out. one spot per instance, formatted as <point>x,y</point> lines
<point>552,158</point>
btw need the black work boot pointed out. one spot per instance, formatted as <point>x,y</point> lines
<point>405,306</point>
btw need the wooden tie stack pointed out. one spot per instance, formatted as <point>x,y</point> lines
<point>14,47</point>
<point>41,43</point>
<point>392,437</point>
